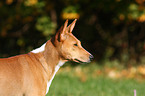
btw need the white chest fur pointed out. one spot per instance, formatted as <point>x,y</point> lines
<point>56,69</point>
<point>41,49</point>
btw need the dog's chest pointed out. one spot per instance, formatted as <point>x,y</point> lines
<point>56,69</point>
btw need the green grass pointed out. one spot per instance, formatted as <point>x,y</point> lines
<point>69,84</point>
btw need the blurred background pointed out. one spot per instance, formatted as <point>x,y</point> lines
<point>112,30</point>
<point>109,29</point>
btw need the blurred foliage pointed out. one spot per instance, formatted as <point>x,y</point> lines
<point>109,29</point>
<point>45,25</point>
<point>71,9</point>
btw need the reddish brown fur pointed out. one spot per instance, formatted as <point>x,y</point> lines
<point>28,74</point>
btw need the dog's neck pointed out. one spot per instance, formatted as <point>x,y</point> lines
<point>50,60</point>
<point>49,53</point>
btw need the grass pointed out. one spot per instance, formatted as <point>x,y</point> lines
<point>75,82</point>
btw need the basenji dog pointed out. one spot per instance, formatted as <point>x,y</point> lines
<point>31,74</point>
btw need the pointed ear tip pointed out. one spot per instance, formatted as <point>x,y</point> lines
<point>66,20</point>
<point>75,20</point>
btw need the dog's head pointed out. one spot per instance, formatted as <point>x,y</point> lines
<point>68,46</point>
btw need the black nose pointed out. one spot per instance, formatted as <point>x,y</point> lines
<point>91,57</point>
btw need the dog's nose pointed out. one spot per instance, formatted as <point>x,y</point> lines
<point>91,57</point>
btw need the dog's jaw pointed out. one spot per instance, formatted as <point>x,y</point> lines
<point>61,63</point>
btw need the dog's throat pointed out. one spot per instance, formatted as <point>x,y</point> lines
<point>61,63</point>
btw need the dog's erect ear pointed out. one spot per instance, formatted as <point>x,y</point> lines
<point>64,27</point>
<point>63,32</point>
<point>71,26</point>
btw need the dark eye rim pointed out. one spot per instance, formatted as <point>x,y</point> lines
<point>75,45</point>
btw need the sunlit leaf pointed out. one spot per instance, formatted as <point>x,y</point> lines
<point>30,2</point>
<point>141,18</point>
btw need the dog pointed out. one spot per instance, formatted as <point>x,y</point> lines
<point>31,74</point>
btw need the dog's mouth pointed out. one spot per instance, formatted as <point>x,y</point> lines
<point>79,61</point>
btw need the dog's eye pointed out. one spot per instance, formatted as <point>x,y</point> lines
<point>75,45</point>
